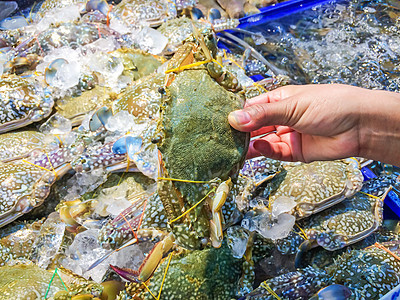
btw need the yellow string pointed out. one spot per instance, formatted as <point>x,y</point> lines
<point>234,62</point>
<point>145,285</point>
<point>165,275</point>
<point>193,207</point>
<point>353,158</point>
<point>302,231</point>
<point>217,62</point>
<point>126,170</point>
<point>51,165</point>
<point>260,87</point>
<point>267,287</point>
<point>224,51</point>
<point>181,180</point>
<point>28,162</point>
<point>370,195</point>
<point>181,68</point>
<point>59,139</point>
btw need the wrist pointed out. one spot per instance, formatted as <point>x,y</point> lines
<point>379,127</point>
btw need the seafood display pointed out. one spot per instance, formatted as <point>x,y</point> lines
<point>121,178</point>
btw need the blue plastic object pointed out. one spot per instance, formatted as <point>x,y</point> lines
<point>280,10</point>
<point>391,208</point>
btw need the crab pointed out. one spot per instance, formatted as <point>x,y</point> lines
<point>195,103</point>
<point>18,245</point>
<point>149,12</point>
<point>20,144</point>
<point>26,183</point>
<point>318,185</point>
<point>344,224</point>
<point>179,29</point>
<point>28,281</point>
<point>137,63</point>
<point>197,274</point>
<point>358,274</point>
<point>23,101</point>
<point>63,34</point>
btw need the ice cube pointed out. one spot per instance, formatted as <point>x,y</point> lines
<point>237,240</point>
<point>82,183</point>
<point>122,122</point>
<point>67,76</point>
<point>83,252</point>
<point>282,204</point>
<point>278,229</point>
<point>147,161</point>
<point>150,40</point>
<point>119,26</point>
<point>49,240</point>
<point>108,66</point>
<point>56,124</point>
<point>103,45</point>
<point>59,15</point>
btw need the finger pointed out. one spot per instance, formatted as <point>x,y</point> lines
<point>263,131</point>
<point>278,150</point>
<point>251,153</point>
<point>257,116</point>
<point>274,95</point>
<point>288,145</point>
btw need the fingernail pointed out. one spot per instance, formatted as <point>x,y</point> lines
<point>240,117</point>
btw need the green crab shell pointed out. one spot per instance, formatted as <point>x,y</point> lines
<point>319,185</point>
<point>199,144</point>
<point>137,63</point>
<point>23,101</point>
<point>22,187</point>
<point>27,282</point>
<point>201,274</point>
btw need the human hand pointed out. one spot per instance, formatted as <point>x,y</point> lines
<point>306,123</point>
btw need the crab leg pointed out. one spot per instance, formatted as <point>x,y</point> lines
<point>150,263</point>
<point>216,232</point>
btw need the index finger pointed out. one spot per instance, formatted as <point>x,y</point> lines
<point>274,95</point>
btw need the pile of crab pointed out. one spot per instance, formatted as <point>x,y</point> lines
<point>121,177</point>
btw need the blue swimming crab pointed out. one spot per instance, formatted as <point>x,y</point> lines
<point>358,274</point>
<point>149,12</point>
<point>24,100</point>
<point>25,184</point>
<point>24,143</point>
<point>317,185</point>
<point>343,224</point>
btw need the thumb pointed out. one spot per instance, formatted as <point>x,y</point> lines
<point>265,114</point>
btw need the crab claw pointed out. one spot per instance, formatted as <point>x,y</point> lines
<point>150,263</point>
<point>303,248</point>
<point>196,14</point>
<point>126,273</point>
<point>127,145</point>
<point>214,14</point>
<point>53,68</point>
<point>100,5</point>
<point>216,232</point>
<point>100,118</point>
<point>333,292</point>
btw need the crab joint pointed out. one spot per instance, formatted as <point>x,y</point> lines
<point>153,259</point>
